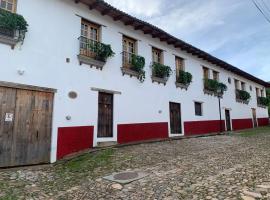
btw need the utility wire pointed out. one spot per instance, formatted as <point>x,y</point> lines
<point>266,6</point>
<point>261,10</point>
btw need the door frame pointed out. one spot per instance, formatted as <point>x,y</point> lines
<point>112,121</point>
<point>182,122</point>
<point>227,109</point>
<point>253,124</point>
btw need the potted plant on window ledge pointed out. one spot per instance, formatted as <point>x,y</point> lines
<point>183,79</point>
<point>135,68</point>
<point>12,28</point>
<point>94,53</point>
<point>242,96</point>
<point>160,73</point>
<point>213,87</point>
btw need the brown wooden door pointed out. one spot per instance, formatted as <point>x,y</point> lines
<point>175,118</point>
<point>27,136</point>
<point>105,115</point>
<point>255,124</point>
<point>228,120</point>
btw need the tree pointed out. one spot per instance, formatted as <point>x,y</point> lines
<point>268,96</point>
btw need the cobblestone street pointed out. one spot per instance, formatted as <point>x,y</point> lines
<point>218,167</point>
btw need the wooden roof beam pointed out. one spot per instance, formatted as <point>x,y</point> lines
<point>118,17</point>
<point>155,35</point>
<point>105,11</point>
<point>130,22</point>
<point>138,27</point>
<point>147,31</point>
<point>93,5</point>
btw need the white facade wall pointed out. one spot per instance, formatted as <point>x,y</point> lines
<point>54,28</point>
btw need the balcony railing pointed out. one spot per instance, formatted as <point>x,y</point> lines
<point>262,101</point>
<point>242,96</point>
<point>94,53</point>
<point>133,65</point>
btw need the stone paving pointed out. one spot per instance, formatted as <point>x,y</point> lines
<point>218,167</point>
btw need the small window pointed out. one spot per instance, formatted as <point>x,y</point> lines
<point>262,93</point>
<point>89,38</point>
<point>9,5</point>
<point>243,86</point>
<point>179,66</point>
<point>257,92</point>
<point>216,75</point>
<point>157,55</point>
<point>90,31</point>
<point>198,108</point>
<point>236,83</point>
<point>205,73</point>
<point>129,48</point>
<point>229,80</point>
<point>250,88</point>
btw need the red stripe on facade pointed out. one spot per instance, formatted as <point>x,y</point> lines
<point>203,127</point>
<point>263,121</point>
<point>74,139</point>
<point>239,124</point>
<point>128,133</point>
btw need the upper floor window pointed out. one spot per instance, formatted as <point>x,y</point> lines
<point>157,55</point>
<point>257,92</point>
<point>243,86</point>
<point>262,93</point>
<point>179,64</point>
<point>216,75</point>
<point>129,48</point>
<point>236,83</point>
<point>9,5</point>
<point>205,73</point>
<point>90,30</point>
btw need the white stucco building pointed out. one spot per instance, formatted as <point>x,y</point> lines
<point>57,97</point>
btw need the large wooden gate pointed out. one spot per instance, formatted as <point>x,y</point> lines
<point>25,126</point>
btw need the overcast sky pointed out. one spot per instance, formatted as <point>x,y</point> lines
<point>232,30</point>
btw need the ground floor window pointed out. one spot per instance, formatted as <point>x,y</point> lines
<point>198,108</point>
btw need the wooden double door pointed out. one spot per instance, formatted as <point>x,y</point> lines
<point>25,126</point>
<point>175,118</point>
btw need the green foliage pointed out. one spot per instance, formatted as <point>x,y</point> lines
<point>215,86</point>
<point>184,77</point>
<point>243,95</point>
<point>161,71</point>
<point>268,96</point>
<point>103,51</point>
<point>138,63</point>
<point>13,22</point>
<point>263,101</point>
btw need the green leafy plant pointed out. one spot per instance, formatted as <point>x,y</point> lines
<point>104,51</point>
<point>268,96</point>
<point>137,64</point>
<point>184,77</point>
<point>264,101</point>
<point>214,85</point>
<point>243,95</point>
<point>161,71</point>
<point>11,22</point>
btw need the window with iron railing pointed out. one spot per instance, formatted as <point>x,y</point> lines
<point>129,50</point>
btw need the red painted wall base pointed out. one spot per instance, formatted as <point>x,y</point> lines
<point>203,127</point>
<point>128,133</point>
<point>239,124</point>
<point>263,121</point>
<point>74,139</point>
